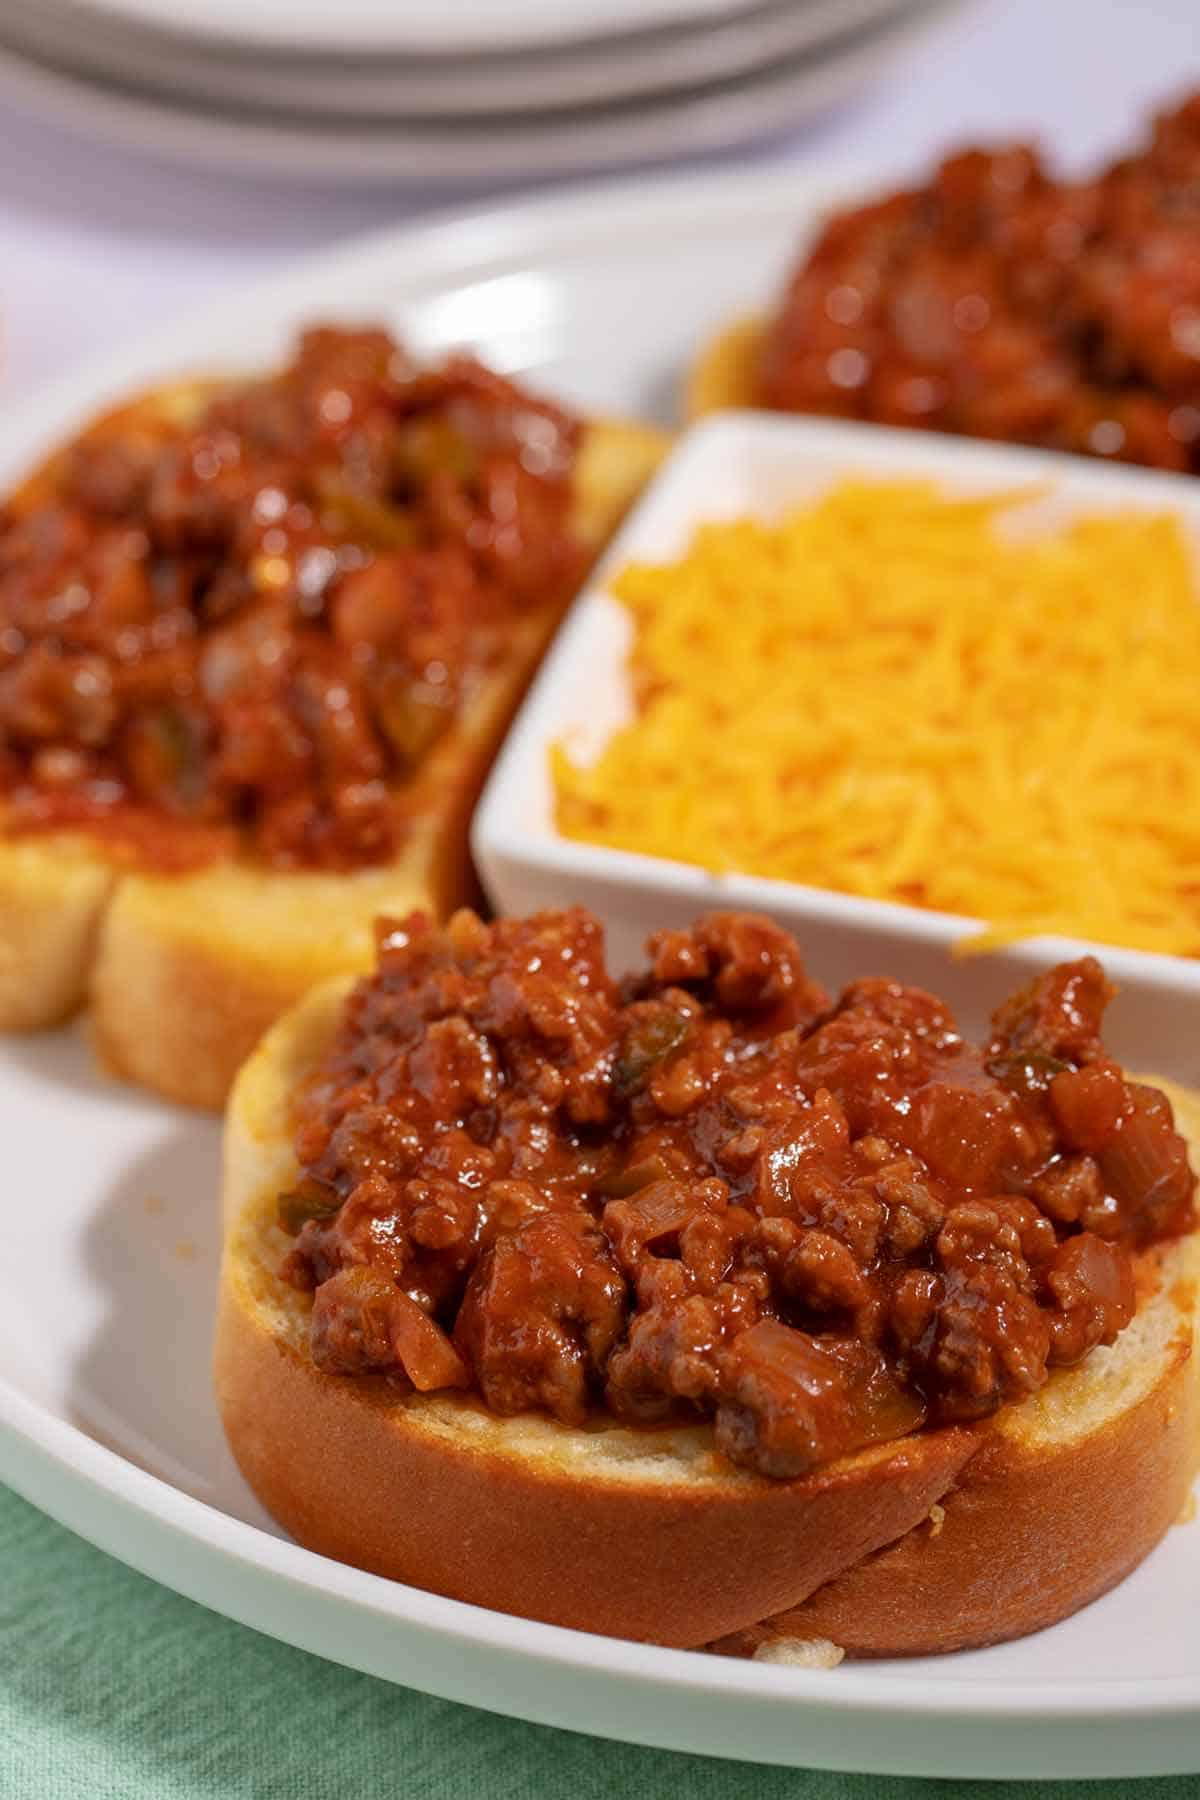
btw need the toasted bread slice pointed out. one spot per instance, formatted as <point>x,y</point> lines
<point>648,1533</point>
<point>724,374</point>
<point>183,973</point>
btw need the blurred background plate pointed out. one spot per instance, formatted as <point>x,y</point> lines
<point>431,26</point>
<point>390,86</point>
<point>402,151</point>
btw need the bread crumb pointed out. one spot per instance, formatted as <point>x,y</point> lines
<point>186,1250</point>
<point>154,1203</point>
<point>937,1518</point>
<point>1189,1511</point>
<point>800,1653</point>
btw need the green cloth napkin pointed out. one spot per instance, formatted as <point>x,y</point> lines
<point>112,1688</point>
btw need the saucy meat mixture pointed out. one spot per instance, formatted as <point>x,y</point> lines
<point>999,302</point>
<point>258,621</point>
<point>709,1191</point>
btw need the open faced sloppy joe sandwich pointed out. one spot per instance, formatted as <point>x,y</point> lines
<point>258,640</point>
<point>999,301</point>
<point>664,1306</point>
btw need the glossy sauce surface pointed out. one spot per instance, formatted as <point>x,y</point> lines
<point>1000,302</point>
<point>712,1191</point>
<point>248,621</point>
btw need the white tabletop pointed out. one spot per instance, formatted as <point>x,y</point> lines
<point>96,244</point>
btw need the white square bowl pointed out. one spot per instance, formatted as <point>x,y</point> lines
<point>756,464</point>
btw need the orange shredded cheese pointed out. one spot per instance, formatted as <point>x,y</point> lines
<point>899,695</point>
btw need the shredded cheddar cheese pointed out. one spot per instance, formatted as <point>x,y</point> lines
<point>899,695</point>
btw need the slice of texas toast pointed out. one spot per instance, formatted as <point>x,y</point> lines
<point>646,1533</point>
<point>183,973</point>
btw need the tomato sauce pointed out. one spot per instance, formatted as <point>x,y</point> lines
<point>250,625</point>
<point>711,1191</point>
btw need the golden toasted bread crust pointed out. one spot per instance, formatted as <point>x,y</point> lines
<point>184,973</point>
<point>356,1474</point>
<point>648,1534</point>
<point>724,373</point>
<point>53,893</point>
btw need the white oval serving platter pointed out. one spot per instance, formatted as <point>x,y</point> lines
<point>106,1289</point>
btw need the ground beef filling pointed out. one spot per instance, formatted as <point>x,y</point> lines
<point>258,623</point>
<point>1000,302</point>
<point>710,1192</point>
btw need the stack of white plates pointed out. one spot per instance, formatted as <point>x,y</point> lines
<point>427,91</point>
